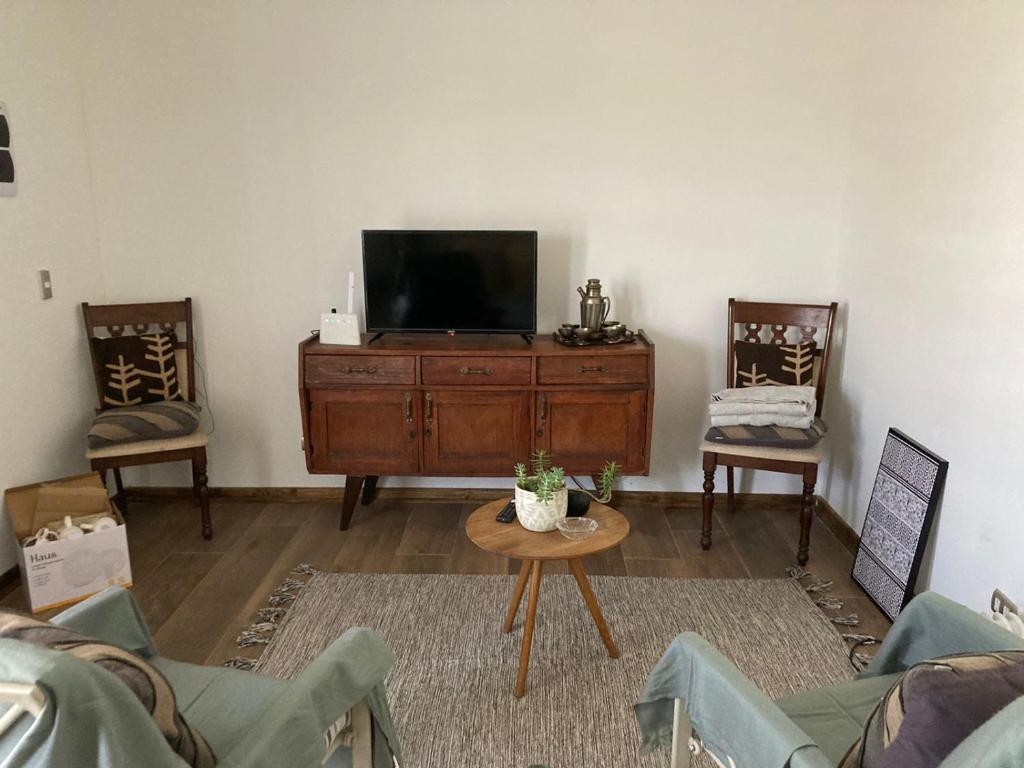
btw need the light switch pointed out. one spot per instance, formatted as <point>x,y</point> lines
<point>45,286</point>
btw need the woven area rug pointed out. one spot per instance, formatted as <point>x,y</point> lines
<point>451,689</point>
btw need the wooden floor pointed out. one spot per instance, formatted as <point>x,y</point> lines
<point>197,595</point>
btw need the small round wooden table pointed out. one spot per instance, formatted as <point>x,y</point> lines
<point>512,540</point>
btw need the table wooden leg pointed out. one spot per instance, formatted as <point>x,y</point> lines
<point>531,618</point>
<point>517,596</point>
<point>595,610</point>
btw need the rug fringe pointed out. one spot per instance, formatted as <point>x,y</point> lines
<point>261,631</point>
<point>240,662</point>
<point>825,601</point>
<point>832,603</point>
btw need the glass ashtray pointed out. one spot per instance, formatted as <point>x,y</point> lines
<point>577,528</point>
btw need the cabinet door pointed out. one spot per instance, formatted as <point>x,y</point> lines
<point>365,432</point>
<point>583,430</point>
<point>475,433</point>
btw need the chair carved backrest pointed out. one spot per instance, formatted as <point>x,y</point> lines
<point>763,322</point>
<point>112,320</point>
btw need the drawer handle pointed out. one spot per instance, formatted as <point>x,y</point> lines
<point>592,369</point>
<point>371,370</point>
<point>466,371</point>
<point>408,408</point>
<point>542,406</point>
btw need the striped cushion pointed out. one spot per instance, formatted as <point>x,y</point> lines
<point>142,679</point>
<point>151,421</point>
<point>768,437</point>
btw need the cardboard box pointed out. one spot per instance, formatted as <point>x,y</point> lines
<point>57,573</point>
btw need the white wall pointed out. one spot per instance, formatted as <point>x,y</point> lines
<point>933,275</point>
<point>681,153</point>
<point>46,389</point>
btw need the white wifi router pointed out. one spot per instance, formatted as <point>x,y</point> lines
<point>341,329</point>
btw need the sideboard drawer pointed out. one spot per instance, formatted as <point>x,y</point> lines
<point>325,370</point>
<point>472,371</point>
<point>592,369</point>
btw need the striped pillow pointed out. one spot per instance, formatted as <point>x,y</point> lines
<point>142,679</point>
<point>150,421</point>
<point>934,706</point>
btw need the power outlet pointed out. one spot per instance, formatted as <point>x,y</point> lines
<point>1002,604</point>
<point>45,284</point>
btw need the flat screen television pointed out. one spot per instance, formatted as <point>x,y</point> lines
<point>450,280</point>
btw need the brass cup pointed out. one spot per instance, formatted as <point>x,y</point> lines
<point>582,332</point>
<point>567,330</point>
<point>613,329</point>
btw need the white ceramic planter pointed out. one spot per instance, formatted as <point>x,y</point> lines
<point>540,516</point>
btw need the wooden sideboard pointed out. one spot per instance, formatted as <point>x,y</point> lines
<point>436,405</point>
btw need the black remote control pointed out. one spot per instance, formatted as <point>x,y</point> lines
<point>508,512</point>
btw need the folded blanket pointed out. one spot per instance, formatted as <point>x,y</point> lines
<point>779,394</point>
<point>763,420</point>
<point>744,408</point>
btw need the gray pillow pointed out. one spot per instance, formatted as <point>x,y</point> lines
<point>151,421</point>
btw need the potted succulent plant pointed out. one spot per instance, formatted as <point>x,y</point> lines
<point>542,498</point>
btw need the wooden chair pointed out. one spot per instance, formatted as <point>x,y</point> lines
<point>115,320</point>
<point>813,322</point>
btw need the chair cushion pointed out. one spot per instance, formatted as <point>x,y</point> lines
<point>137,369</point>
<point>197,439</point>
<point>934,706</point>
<point>810,455</point>
<point>135,423</point>
<point>834,717</point>
<point>759,365</point>
<point>223,703</point>
<point>768,437</point>
<point>148,685</point>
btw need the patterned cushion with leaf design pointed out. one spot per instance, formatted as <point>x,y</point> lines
<point>137,369</point>
<point>759,365</point>
<point>142,679</point>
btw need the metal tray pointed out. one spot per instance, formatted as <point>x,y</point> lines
<point>628,338</point>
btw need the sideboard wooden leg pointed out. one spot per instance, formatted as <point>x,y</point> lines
<point>353,484</point>
<point>369,489</point>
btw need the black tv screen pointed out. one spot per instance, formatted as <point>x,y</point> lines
<point>448,280</point>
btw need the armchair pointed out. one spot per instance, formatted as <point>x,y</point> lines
<point>698,701</point>
<point>70,707</point>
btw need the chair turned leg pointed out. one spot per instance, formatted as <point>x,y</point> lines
<point>195,486</point>
<point>202,490</point>
<point>806,512</point>
<point>120,498</point>
<point>710,463</point>
<point>730,479</point>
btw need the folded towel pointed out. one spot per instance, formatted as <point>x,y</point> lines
<point>780,394</point>
<point>743,408</point>
<point>763,420</point>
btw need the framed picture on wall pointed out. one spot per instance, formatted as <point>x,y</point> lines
<point>900,512</point>
<point>7,187</point>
